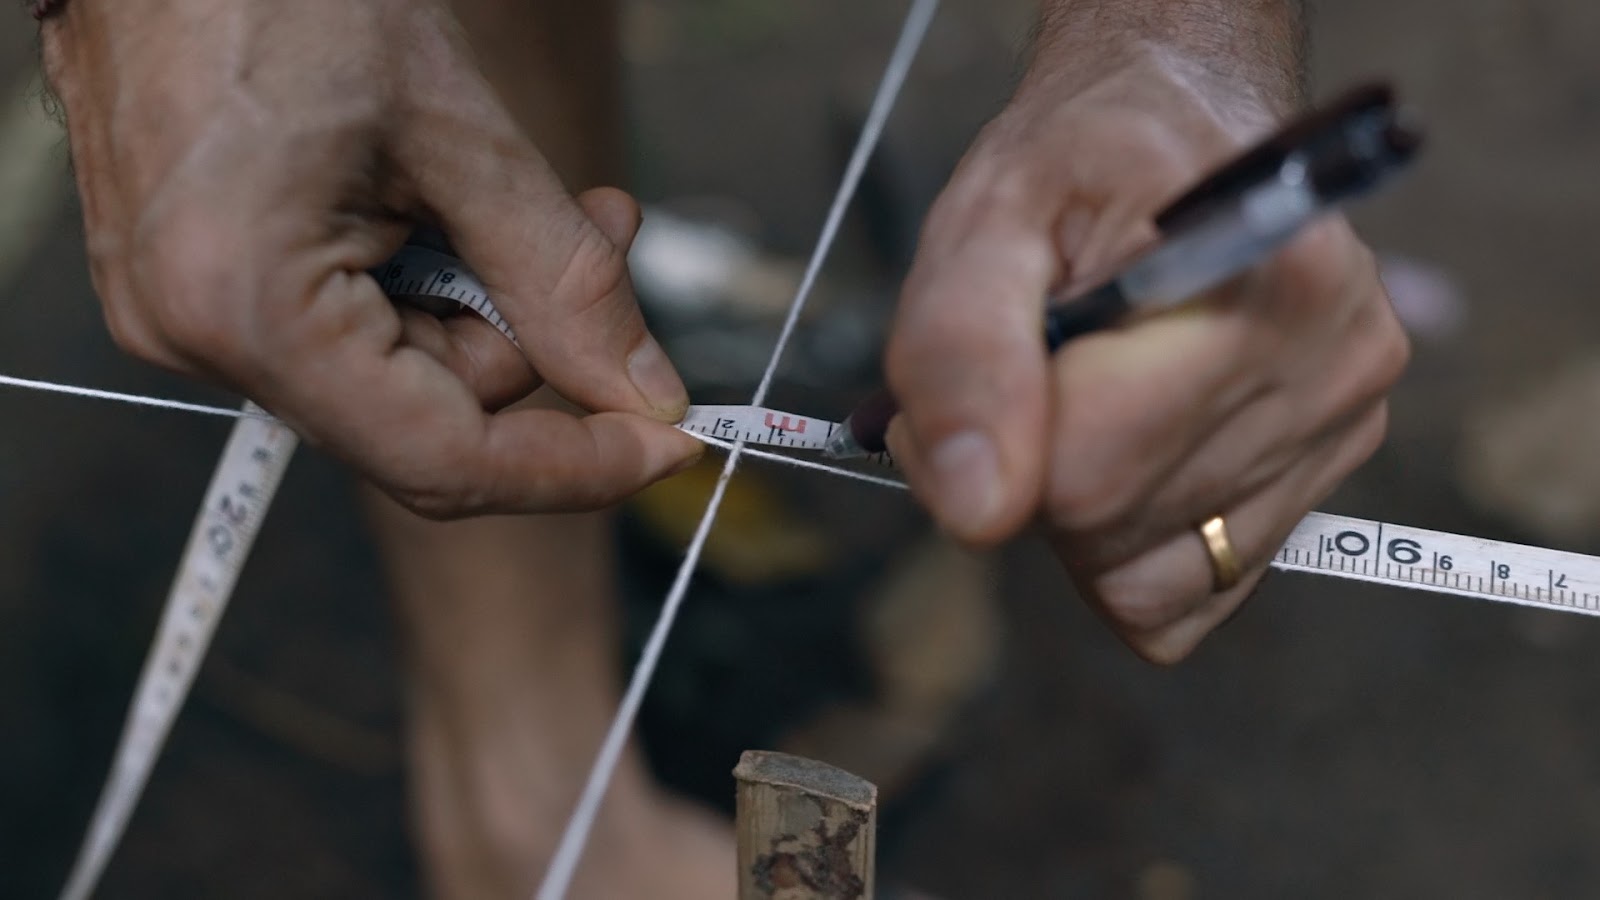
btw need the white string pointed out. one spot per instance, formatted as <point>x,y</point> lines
<point>163,403</point>
<point>905,52</point>
<point>799,463</point>
<point>569,852</point>
<point>135,399</point>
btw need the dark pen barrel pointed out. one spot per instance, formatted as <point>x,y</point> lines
<point>1096,310</point>
<point>869,423</point>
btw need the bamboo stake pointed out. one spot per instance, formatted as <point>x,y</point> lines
<point>806,830</point>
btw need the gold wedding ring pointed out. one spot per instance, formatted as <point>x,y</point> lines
<point>1224,562</point>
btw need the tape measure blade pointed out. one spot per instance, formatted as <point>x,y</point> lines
<point>420,275</point>
<point>1443,562</point>
<point>759,425</point>
<point>236,502</point>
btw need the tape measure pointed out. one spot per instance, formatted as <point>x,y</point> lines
<point>236,503</point>
<point>259,449</point>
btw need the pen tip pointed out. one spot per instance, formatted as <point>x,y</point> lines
<point>843,445</point>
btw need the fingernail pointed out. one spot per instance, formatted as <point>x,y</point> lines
<point>655,378</point>
<point>968,476</point>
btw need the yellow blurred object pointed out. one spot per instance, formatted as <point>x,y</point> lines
<point>756,539</point>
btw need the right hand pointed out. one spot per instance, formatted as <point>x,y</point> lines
<point>1253,401</point>
<point>243,164</point>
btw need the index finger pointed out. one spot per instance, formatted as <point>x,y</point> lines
<point>408,423</point>
<point>556,265</point>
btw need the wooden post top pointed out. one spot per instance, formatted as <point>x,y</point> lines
<point>807,830</point>
<point>816,778</point>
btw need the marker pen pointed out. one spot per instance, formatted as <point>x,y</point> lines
<point>1232,220</point>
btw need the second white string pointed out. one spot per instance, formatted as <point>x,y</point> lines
<point>54,387</point>
<point>564,864</point>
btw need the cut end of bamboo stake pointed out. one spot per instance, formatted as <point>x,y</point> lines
<point>806,830</point>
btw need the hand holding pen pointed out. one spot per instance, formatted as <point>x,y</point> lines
<point>1164,460</point>
<point>1232,220</point>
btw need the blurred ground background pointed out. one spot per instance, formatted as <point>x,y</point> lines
<point>1336,740</point>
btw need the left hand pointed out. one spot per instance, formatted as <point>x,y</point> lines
<point>1252,402</point>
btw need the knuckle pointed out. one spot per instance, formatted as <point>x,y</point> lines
<point>1145,612</point>
<point>1371,432</point>
<point>1089,499</point>
<point>1317,270</point>
<point>1392,349</point>
<point>1141,605</point>
<point>191,287</point>
<point>124,320</point>
<point>196,326</point>
<point>124,323</point>
<point>1165,650</point>
<point>433,484</point>
<point>1380,359</point>
<point>1372,357</point>
<point>995,186</point>
<point>1160,628</point>
<point>1157,149</point>
<point>131,336</point>
<point>1318,253</point>
<point>434,506</point>
<point>1083,505</point>
<point>108,261</point>
<point>593,272</point>
<point>1011,184</point>
<point>437,499</point>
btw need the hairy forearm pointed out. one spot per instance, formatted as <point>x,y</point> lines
<point>1255,49</point>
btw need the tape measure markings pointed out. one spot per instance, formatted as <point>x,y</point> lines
<point>418,272</point>
<point>769,427</point>
<point>798,462</point>
<point>1443,562</point>
<point>225,528</point>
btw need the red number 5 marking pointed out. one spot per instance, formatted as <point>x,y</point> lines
<point>785,424</point>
